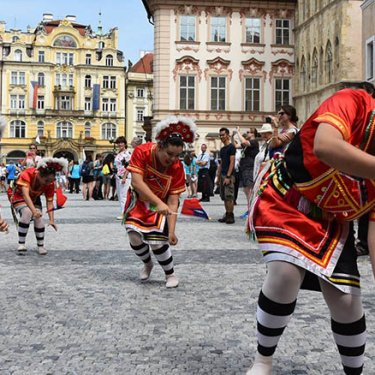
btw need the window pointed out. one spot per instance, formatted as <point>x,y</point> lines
<point>21,101</point>
<point>64,58</point>
<point>218,93</point>
<point>187,92</point>
<point>15,39</point>
<point>253,30</point>
<point>282,32</point>
<point>140,114</point>
<point>252,94</point>
<point>187,28</point>
<point>13,102</point>
<point>218,29</point>
<point>17,78</point>
<point>41,79</point>
<point>64,79</point>
<point>370,60</point>
<point>303,75</point>
<point>87,129</point>
<point>87,81</point>
<point>112,105</point>
<point>21,78</point>
<point>105,102</point>
<point>64,129</point>
<point>41,56</point>
<point>108,131</point>
<point>17,102</point>
<point>282,92</point>
<point>329,64</point>
<point>140,92</point>
<point>109,60</point>
<point>88,59</point>
<point>88,104</point>
<point>40,102</point>
<point>18,55</point>
<point>314,69</point>
<point>65,103</point>
<point>109,82</point>
<point>17,129</point>
<point>101,45</point>
<point>40,128</point>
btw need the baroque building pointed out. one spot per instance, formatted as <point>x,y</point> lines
<point>139,95</point>
<point>225,63</point>
<point>368,40</point>
<point>63,84</point>
<point>328,50</point>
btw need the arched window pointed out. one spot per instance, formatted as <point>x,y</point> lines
<point>109,60</point>
<point>64,129</point>
<point>41,79</point>
<point>314,68</point>
<point>329,60</point>
<point>87,81</point>
<point>108,131</point>
<point>337,51</point>
<point>87,129</point>
<point>303,74</point>
<point>15,39</point>
<point>321,64</point>
<point>101,45</point>
<point>18,55</point>
<point>40,128</point>
<point>17,129</point>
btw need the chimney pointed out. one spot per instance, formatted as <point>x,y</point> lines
<point>71,18</point>
<point>47,17</point>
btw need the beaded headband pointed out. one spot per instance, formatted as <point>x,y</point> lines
<point>176,126</point>
<point>53,164</point>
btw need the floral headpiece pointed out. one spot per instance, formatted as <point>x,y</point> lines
<point>180,126</point>
<point>3,124</point>
<point>53,164</point>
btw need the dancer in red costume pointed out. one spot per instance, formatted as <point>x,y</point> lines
<point>158,179</point>
<point>301,216</point>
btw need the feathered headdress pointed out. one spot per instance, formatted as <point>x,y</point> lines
<point>3,124</point>
<point>54,164</point>
<point>183,127</point>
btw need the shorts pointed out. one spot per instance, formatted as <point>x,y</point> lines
<point>227,191</point>
<point>247,177</point>
<point>87,179</point>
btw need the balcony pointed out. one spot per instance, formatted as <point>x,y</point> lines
<point>64,112</point>
<point>63,89</point>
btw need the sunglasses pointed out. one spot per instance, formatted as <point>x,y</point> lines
<point>281,113</point>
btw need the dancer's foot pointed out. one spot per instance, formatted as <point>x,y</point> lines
<point>146,271</point>
<point>21,249</point>
<point>172,281</point>
<point>42,250</point>
<point>262,365</point>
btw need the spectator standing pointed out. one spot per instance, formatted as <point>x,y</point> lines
<point>98,177</point>
<point>108,174</point>
<point>3,177</point>
<point>11,171</point>
<point>123,176</point>
<point>225,173</point>
<point>203,162</point>
<point>75,177</point>
<point>87,173</point>
<point>266,133</point>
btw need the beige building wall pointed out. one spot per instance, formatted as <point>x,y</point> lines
<point>89,130</point>
<point>328,50</point>
<point>235,59</point>
<point>368,40</point>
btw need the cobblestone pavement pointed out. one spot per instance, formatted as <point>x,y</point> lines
<point>82,310</point>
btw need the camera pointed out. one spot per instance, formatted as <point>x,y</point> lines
<point>268,120</point>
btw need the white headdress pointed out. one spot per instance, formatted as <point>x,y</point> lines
<point>183,127</point>
<point>55,164</point>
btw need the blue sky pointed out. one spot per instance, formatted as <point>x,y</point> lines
<point>129,16</point>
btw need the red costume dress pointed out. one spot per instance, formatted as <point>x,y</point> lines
<point>139,215</point>
<point>28,178</point>
<point>302,211</point>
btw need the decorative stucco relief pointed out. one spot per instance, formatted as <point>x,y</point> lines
<point>282,68</point>
<point>187,64</point>
<point>252,67</point>
<point>218,66</point>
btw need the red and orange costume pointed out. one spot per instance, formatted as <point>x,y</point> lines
<point>303,209</point>
<point>139,215</point>
<point>28,178</point>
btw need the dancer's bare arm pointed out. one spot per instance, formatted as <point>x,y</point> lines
<point>371,244</point>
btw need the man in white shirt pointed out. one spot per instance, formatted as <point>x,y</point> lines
<point>203,161</point>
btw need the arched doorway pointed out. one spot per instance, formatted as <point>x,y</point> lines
<point>65,154</point>
<point>15,156</point>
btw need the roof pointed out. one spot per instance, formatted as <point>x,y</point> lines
<point>144,65</point>
<point>50,25</point>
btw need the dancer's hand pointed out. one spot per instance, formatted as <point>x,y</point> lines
<point>163,209</point>
<point>37,214</point>
<point>53,225</point>
<point>4,227</point>
<point>173,239</point>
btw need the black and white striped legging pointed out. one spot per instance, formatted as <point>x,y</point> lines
<point>162,253</point>
<point>23,227</point>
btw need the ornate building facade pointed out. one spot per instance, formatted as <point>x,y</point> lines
<point>368,40</point>
<point>225,63</point>
<point>328,50</point>
<point>63,84</point>
<point>139,95</point>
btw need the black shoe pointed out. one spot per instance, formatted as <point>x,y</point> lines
<point>223,219</point>
<point>230,218</point>
<point>361,249</point>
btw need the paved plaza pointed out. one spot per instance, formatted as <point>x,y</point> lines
<point>82,310</point>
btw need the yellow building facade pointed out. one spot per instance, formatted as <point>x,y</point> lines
<point>61,84</point>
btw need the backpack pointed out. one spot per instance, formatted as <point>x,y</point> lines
<point>85,170</point>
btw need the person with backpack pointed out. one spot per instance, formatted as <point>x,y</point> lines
<point>87,173</point>
<point>74,177</point>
